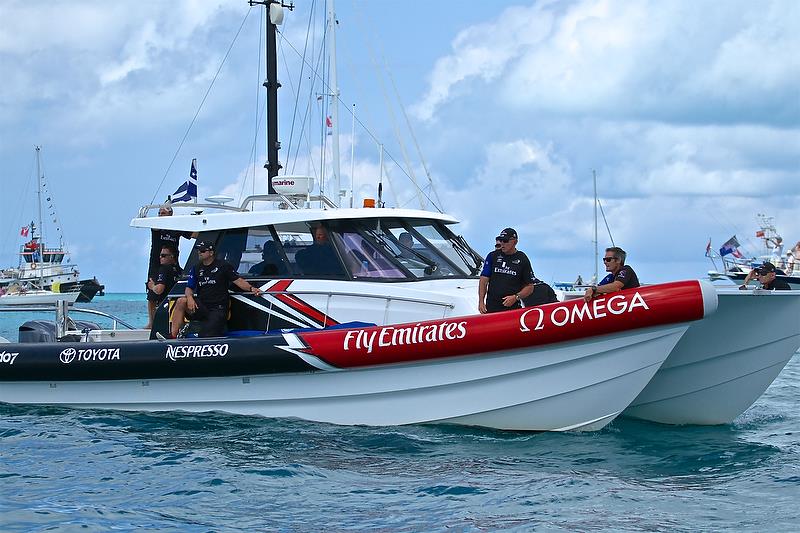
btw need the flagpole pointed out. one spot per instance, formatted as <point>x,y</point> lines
<point>334,86</point>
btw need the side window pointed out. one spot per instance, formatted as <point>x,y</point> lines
<point>263,255</point>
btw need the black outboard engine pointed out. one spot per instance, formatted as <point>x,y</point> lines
<point>45,330</point>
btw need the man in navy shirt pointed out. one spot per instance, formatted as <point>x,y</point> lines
<point>507,276</point>
<point>620,276</point>
<point>209,279</point>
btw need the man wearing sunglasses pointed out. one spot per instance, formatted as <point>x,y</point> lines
<point>507,276</point>
<point>164,237</point>
<point>158,288</point>
<point>620,276</point>
<point>766,276</point>
<point>209,279</point>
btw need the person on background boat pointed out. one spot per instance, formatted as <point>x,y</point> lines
<point>620,276</point>
<point>209,279</point>
<point>791,260</point>
<point>766,276</point>
<point>158,288</point>
<point>777,248</point>
<point>160,238</point>
<point>507,276</point>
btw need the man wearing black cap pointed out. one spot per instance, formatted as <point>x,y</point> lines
<point>209,278</point>
<point>507,276</point>
<point>766,276</point>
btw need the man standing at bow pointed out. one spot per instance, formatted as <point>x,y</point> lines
<point>507,276</point>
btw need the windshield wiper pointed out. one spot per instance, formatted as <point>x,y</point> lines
<point>464,251</point>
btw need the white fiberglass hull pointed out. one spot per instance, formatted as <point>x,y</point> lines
<point>726,361</point>
<point>37,298</point>
<point>577,385</point>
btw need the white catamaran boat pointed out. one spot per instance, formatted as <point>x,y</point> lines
<point>382,328</point>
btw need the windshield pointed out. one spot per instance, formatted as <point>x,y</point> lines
<point>387,249</point>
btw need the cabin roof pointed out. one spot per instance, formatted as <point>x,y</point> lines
<point>227,220</point>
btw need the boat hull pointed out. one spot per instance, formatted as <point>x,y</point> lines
<point>36,298</point>
<point>726,361</point>
<point>580,385</point>
<point>572,365</point>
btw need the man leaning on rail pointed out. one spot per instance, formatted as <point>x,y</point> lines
<point>620,276</point>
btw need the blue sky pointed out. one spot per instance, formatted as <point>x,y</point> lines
<point>688,111</point>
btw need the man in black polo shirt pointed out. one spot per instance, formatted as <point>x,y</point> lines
<point>209,278</point>
<point>766,276</point>
<point>158,288</point>
<point>620,276</point>
<point>507,276</point>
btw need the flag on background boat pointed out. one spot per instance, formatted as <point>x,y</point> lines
<point>24,231</point>
<point>759,233</point>
<point>708,248</point>
<point>188,191</point>
<point>731,246</point>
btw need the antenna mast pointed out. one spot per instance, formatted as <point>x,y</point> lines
<point>334,87</point>
<point>274,16</point>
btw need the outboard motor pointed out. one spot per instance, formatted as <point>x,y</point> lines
<point>45,330</point>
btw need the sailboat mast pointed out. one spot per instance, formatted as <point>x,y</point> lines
<point>596,254</point>
<point>334,87</point>
<point>274,16</point>
<point>39,194</point>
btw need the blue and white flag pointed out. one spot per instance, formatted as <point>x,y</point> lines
<point>188,191</point>
<point>731,246</point>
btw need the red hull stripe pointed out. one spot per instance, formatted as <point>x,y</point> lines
<point>655,305</point>
<point>299,305</point>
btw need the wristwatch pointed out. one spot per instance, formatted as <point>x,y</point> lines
<point>516,295</point>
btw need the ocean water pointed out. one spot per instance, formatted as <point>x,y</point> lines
<point>76,470</point>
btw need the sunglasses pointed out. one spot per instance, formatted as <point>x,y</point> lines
<point>609,259</point>
<point>503,240</point>
<point>203,250</point>
<point>165,255</point>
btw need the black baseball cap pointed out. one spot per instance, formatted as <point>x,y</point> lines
<point>508,233</point>
<point>765,268</point>
<point>205,245</point>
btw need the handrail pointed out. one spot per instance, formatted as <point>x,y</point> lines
<point>145,208</point>
<point>282,198</point>
<point>114,319</point>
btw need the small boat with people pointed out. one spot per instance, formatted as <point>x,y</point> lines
<point>47,267</point>
<point>737,264</point>
<point>369,315</point>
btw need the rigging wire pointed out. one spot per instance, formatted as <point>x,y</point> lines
<point>366,129</point>
<point>200,107</point>
<point>388,72</point>
<point>257,121</point>
<point>21,205</point>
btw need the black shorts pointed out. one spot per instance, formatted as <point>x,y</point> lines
<point>153,297</point>
<point>214,319</point>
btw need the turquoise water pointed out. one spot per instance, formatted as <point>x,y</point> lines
<point>69,470</point>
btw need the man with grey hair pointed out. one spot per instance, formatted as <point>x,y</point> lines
<point>620,276</point>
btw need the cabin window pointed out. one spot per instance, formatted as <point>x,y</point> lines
<point>263,254</point>
<point>366,260</point>
<point>312,249</point>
